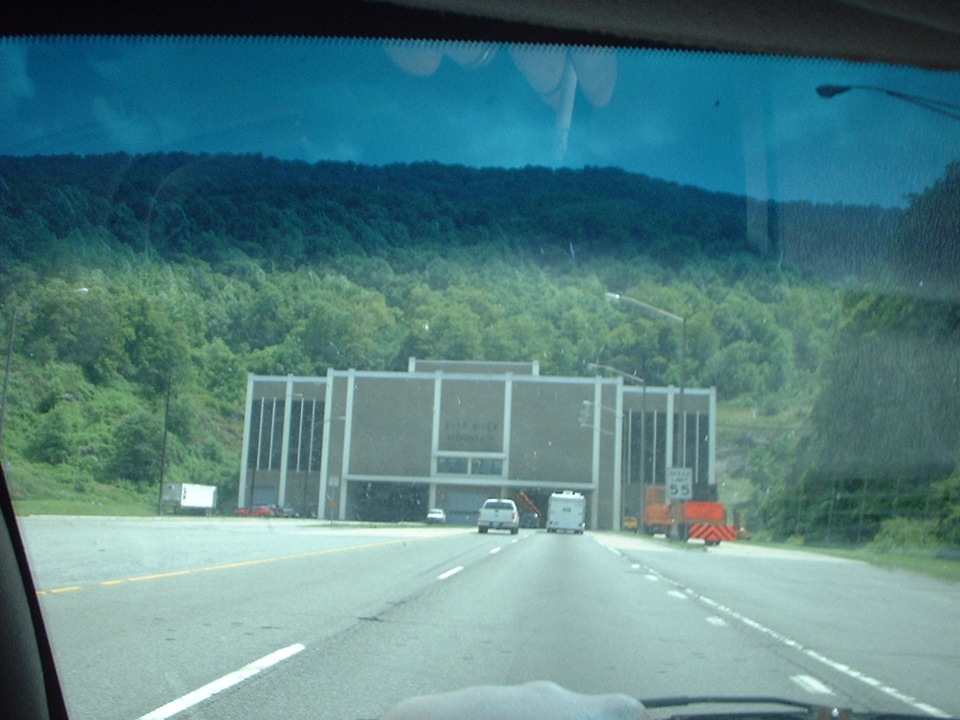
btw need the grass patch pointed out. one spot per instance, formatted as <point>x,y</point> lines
<point>923,562</point>
<point>942,564</point>
<point>37,489</point>
<point>85,506</point>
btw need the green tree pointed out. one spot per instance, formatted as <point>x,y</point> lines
<point>349,327</point>
<point>947,503</point>
<point>55,436</point>
<point>885,408</point>
<point>438,329</point>
<point>926,252</point>
<point>137,448</point>
<point>736,369</point>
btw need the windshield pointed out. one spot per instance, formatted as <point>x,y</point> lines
<point>268,304</point>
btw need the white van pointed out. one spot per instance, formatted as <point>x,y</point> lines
<point>567,512</point>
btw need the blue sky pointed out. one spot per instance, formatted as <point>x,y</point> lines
<point>730,123</point>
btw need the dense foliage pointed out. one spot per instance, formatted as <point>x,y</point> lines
<point>200,269</point>
<point>216,207</point>
<point>882,454</point>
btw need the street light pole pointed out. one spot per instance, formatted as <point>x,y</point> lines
<point>163,445</point>
<point>680,440</point>
<point>6,376</point>
<point>940,107</point>
<point>615,371</point>
<point>617,297</point>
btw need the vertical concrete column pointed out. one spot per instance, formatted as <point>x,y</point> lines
<point>595,464</point>
<point>618,457</point>
<point>325,447</point>
<point>435,428</point>
<point>712,439</point>
<point>245,450</point>
<point>507,414</point>
<point>285,442</point>
<point>671,421</point>
<point>347,439</point>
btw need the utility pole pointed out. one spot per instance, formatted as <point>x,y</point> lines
<point>6,377</point>
<point>163,445</point>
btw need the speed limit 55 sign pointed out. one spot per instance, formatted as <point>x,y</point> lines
<point>679,483</point>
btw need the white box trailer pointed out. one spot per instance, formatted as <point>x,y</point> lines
<point>190,497</point>
<point>567,512</point>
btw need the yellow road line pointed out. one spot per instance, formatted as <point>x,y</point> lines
<point>230,566</point>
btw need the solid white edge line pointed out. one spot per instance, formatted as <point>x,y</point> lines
<point>842,668</point>
<point>448,573</point>
<point>221,684</point>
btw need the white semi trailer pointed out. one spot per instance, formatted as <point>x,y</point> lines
<point>190,497</point>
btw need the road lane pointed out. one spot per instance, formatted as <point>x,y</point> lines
<point>129,648</point>
<point>384,613</point>
<point>886,638</point>
<point>72,551</point>
<point>558,607</point>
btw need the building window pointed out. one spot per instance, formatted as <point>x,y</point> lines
<point>486,466</point>
<point>452,465</point>
<point>447,465</point>
<point>306,435</point>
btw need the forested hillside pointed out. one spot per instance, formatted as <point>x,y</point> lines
<point>216,207</point>
<point>199,269</point>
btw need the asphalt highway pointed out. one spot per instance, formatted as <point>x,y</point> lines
<point>248,617</point>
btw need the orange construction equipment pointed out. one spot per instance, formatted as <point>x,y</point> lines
<point>526,504</point>
<point>701,519</point>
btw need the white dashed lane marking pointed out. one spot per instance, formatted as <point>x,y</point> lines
<point>449,573</point>
<point>812,685</point>
<point>227,681</point>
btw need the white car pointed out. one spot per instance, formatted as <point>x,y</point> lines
<point>436,516</point>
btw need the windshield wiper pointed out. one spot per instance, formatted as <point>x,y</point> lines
<point>682,700</point>
<point>798,709</point>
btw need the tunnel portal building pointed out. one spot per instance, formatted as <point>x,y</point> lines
<point>357,445</point>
